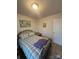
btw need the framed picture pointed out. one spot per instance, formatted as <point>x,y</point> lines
<point>25,23</point>
<point>44,25</point>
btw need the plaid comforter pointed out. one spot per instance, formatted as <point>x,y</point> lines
<point>32,52</point>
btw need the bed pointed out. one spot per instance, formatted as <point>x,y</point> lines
<point>33,46</point>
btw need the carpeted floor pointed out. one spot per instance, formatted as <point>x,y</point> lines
<point>54,52</point>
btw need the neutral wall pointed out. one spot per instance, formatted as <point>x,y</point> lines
<point>21,17</point>
<point>53,28</point>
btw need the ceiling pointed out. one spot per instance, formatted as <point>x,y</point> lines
<point>46,8</point>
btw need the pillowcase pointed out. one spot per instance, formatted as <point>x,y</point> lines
<point>23,35</point>
<point>31,33</point>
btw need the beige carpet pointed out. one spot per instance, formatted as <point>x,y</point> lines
<point>55,52</point>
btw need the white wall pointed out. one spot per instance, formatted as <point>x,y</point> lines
<point>53,28</point>
<point>33,23</point>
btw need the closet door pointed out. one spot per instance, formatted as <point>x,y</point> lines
<point>57,30</point>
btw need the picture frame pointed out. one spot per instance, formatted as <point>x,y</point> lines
<point>44,25</point>
<point>25,23</point>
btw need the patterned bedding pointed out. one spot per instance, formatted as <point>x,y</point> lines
<point>30,51</point>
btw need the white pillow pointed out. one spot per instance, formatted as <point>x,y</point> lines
<point>24,35</point>
<point>31,33</point>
